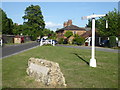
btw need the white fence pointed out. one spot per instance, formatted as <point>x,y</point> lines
<point>47,41</point>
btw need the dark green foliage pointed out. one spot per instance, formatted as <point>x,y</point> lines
<point>68,34</point>
<point>90,23</point>
<point>113,26</point>
<point>17,29</point>
<point>34,21</point>
<point>78,40</point>
<point>7,23</point>
<point>61,40</point>
<point>112,41</point>
<point>65,41</point>
<point>49,33</point>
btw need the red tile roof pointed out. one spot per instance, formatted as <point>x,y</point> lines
<point>71,27</point>
<point>89,34</point>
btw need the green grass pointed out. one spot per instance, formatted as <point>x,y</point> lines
<point>77,73</point>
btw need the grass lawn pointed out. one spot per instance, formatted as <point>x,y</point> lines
<point>73,63</point>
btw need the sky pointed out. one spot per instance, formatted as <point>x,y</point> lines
<point>56,13</point>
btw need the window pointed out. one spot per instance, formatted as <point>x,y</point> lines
<point>74,32</point>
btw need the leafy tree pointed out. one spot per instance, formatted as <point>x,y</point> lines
<point>90,23</point>
<point>34,20</point>
<point>68,34</point>
<point>78,40</point>
<point>113,26</point>
<point>7,23</point>
<point>47,32</point>
<point>112,41</point>
<point>61,40</point>
<point>51,34</point>
<point>18,29</point>
<point>112,30</point>
<point>76,35</point>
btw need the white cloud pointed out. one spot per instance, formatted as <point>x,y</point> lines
<point>52,25</point>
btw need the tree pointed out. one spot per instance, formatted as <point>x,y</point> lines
<point>78,40</point>
<point>68,34</point>
<point>90,23</point>
<point>18,29</point>
<point>7,23</point>
<point>34,20</point>
<point>112,30</point>
<point>113,26</point>
<point>51,34</point>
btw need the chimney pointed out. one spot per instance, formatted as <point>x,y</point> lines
<point>65,24</point>
<point>69,22</point>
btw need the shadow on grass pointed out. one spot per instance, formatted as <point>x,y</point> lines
<point>81,58</point>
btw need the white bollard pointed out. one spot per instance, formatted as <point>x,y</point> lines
<point>53,43</point>
<point>41,42</point>
<point>1,42</point>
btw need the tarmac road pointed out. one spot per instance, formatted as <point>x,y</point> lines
<point>14,49</point>
<point>97,48</point>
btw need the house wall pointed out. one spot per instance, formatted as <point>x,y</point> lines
<point>60,34</point>
<point>79,32</point>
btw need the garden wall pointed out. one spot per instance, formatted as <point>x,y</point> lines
<point>10,38</point>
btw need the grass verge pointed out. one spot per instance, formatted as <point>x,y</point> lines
<point>73,63</point>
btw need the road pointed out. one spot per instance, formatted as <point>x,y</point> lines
<point>14,49</point>
<point>97,48</point>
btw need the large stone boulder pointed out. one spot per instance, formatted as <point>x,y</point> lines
<point>46,72</point>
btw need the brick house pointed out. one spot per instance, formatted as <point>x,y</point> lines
<point>68,26</point>
<point>88,36</point>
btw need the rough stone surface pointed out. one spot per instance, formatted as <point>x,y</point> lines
<point>46,72</point>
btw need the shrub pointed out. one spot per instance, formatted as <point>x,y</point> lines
<point>78,40</point>
<point>68,34</point>
<point>33,38</point>
<point>112,41</point>
<point>65,41</point>
<point>60,41</point>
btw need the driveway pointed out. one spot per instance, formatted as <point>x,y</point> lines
<point>14,49</point>
<point>97,48</point>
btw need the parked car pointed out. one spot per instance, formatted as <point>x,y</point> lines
<point>104,43</point>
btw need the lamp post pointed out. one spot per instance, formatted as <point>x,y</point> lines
<point>93,60</point>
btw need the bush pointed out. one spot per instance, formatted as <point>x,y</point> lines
<point>65,41</point>
<point>61,40</point>
<point>112,41</point>
<point>33,38</point>
<point>78,40</point>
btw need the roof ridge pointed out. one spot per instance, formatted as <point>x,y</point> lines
<point>72,27</point>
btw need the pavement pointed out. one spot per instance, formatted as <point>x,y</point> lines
<point>15,49</point>
<point>96,48</point>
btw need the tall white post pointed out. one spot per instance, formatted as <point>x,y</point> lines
<point>41,42</point>
<point>93,60</point>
